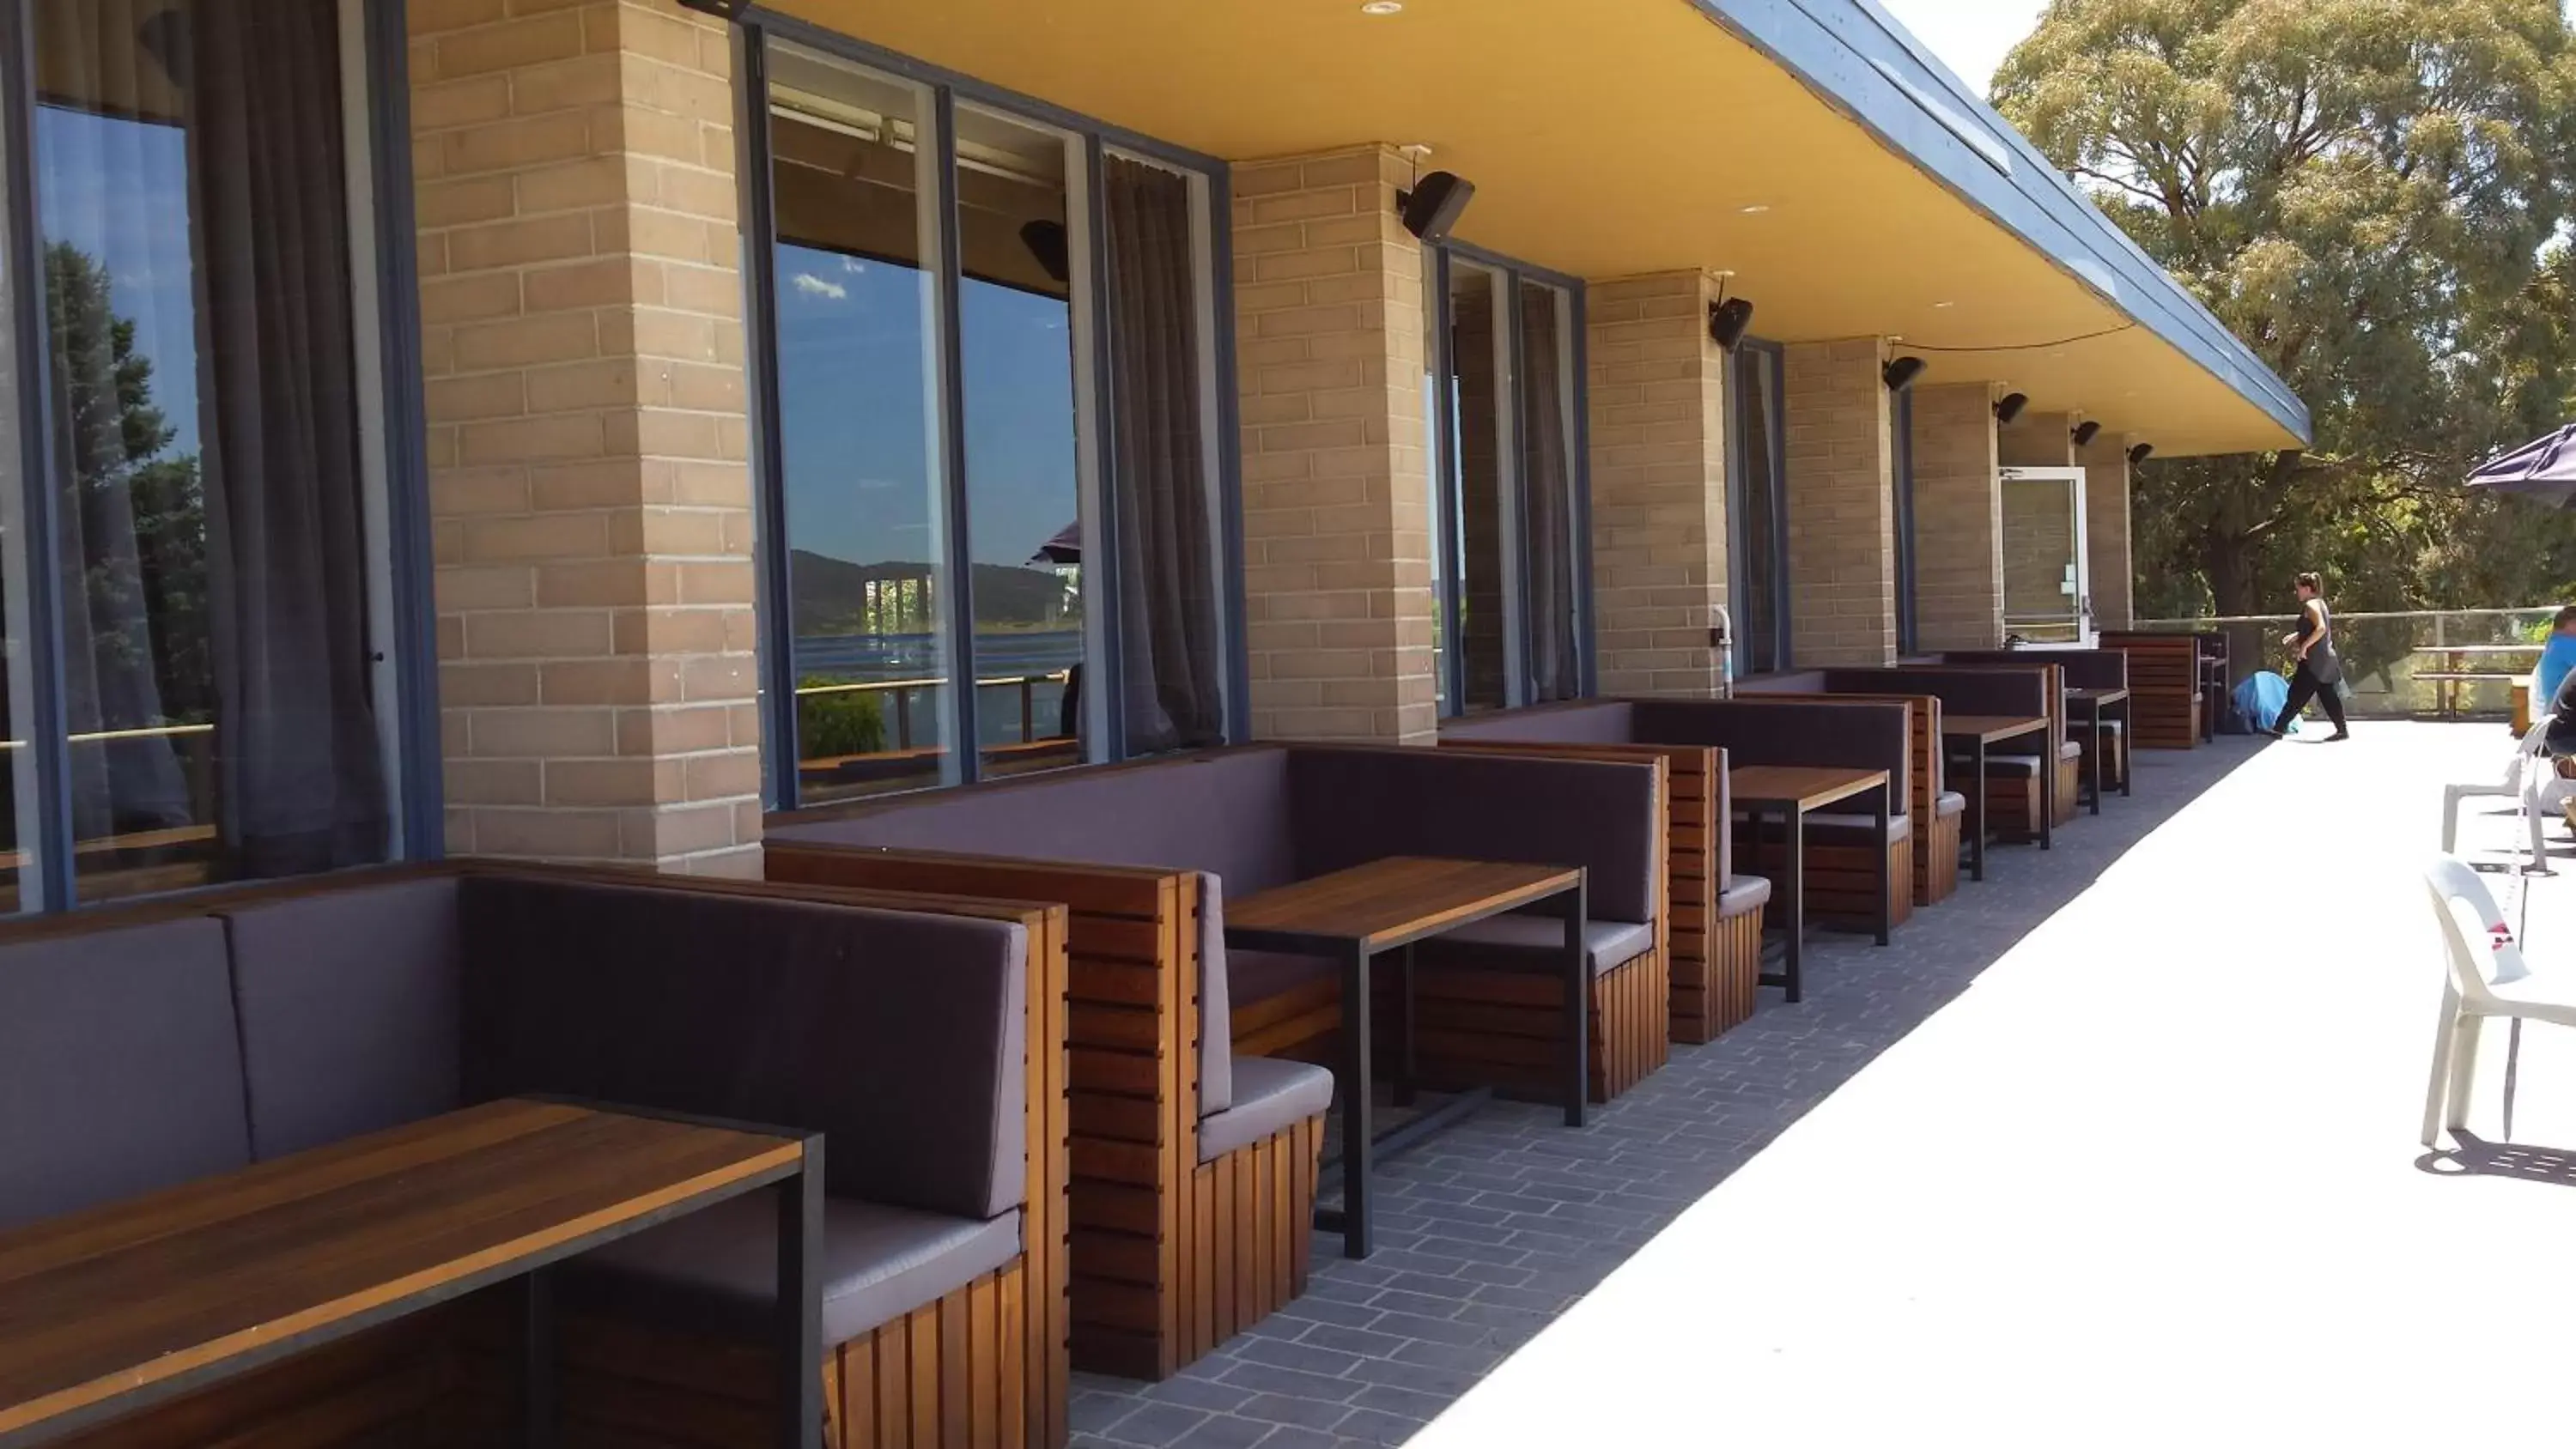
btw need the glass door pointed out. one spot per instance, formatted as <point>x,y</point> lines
<point>2048,592</point>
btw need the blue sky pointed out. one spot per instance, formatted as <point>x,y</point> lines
<point>118,190</point>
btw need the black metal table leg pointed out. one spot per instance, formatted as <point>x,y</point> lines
<point>1793,871</point>
<point>540,1413</point>
<point>1357,1092</point>
<point>1406,1065</point>
<point>1886,866</point>
<point>1977,814</point>
<point>2093,754</point>
<point>2048,788</point>
<point>800,1303</point>
<point>1578,1002</point>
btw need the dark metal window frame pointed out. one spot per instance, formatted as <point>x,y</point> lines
<point>1447,507</point>
<point>754,28</point>
<point>1738,480</point>
<point>420,789</point>
<point>1900,427</point>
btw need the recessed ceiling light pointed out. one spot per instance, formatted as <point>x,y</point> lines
<point>1383,7</point>
<point>1943,306</point>
<point>1756,209</point>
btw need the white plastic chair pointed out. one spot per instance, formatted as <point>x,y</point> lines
<point>2528,781</point>
<point>2487,977</point>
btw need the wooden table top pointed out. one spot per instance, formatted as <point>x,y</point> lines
<point>1809,787</point>
<point>2097,696</point>
<point>1990,727</point>
<point>171,1288</point>
<point>1389,902</point>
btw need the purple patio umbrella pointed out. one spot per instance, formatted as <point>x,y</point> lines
<point>1064,548</point>
<point>2543,469</point>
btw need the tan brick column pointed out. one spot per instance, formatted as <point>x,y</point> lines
<point>1842,515</point>
<point>1658,409</point>
<point>1336,484</point>
<point>2105,462</point>
<point>1958,519</point>
<point>582,337</point>
<point>2038,440</point>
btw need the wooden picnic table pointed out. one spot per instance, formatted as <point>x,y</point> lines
<point>1387,905</point>
<point>1797,791</point>
<point>110,1310</point>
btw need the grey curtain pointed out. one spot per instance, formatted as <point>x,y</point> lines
<point>1547,492</point>
<point>1172,689</point>
<point>301,779</point>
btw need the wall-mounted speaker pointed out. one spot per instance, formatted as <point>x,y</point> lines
<point>2085,433</point>
<point>1048,246</point>
<point>2141,453</point>
<point>1728,321</point>
<point>1432,207</point>
<point>1900,373</point>
<point>2010,408</point>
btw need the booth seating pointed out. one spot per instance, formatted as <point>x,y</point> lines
<point>156,1046</point>
<point>1936,810</point>
<point>1182,1089</point>
<point>2169,705</point>
<point>1716,914</point>
<point>2012,799</point>
<point>2084,669</point>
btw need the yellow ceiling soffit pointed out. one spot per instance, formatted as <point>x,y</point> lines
<point>1606,138</point>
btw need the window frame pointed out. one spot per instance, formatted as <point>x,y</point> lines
<point>1738,479</point>
<point>1447,521</point>
<point>392,427</point>
<point>1211,281</point>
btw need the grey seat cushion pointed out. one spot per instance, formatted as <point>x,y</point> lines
<point>120,1066</point>
<point>1949,804</point>
<point>717,1269</point>
<point>1610,944</point>
<point>2022,765</point>
<point>1270,1096</point>
<point>1743,893</point>
<point>348,1010</point>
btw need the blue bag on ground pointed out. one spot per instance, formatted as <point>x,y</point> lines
<point>2259,699</point>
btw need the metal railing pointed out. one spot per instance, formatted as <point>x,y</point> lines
<point>905,690</point>
<point>2441,663</point>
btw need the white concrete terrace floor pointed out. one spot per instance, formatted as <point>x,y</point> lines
<point>2152,1178</point>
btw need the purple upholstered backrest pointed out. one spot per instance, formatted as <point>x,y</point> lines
<point>120,1069</point>
<point>1352,805</point>
<point>2085,668</point>
<point>348,1009</point>
<point>1223,814</point>
<point>1861,734</point>
<point>1796,681</point>
<point>2020,692</point>
<point>901,1037</point>
<point>1591,722</point>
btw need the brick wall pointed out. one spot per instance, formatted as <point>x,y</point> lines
<point>1958,519</point>
<point>1842,537</point>
<point>582,339</point>
<point>2106,523</point>
<point>1336,490</point>
<point>2038,440</point>
<point>1658,433</point>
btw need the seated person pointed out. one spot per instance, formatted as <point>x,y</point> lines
<point>2557,659</point>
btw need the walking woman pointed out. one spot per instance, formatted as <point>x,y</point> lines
<point>2320,672</point>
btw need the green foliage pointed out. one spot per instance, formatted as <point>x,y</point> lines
<point>2376,195</point>
<point>148,607</point>
<point>848,722</point>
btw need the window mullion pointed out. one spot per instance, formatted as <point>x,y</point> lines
<point>957,616</point>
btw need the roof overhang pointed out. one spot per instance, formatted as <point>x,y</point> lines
<point>1853,186</point>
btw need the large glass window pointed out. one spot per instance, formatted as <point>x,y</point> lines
<point>210,456</point>
<point>1757,511</point>
<point>995,465</point>
<point>1507,469</point>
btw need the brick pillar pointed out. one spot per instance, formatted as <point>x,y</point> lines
<point>1958,519</point>
<point>582,338</point>
<point>1658,410</point>
<point>1842,515</point>
<point>2038,440</point>
<point>2105,462</point>
<point>1336,478</point>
